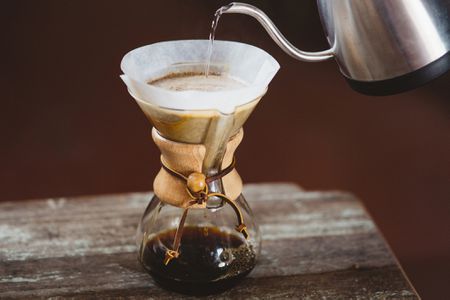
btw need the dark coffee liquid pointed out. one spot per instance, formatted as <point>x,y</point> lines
<point>210,260</point>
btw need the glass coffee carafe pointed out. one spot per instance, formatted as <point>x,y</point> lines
<point>199,248</point>
<point>198,234</point>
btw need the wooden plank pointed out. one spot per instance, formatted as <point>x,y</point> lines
<point>84,247</point>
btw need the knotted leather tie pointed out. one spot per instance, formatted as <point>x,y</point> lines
<point>197,189</point>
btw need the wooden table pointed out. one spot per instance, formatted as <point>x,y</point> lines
<point>316,245</point>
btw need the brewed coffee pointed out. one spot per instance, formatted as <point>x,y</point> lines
<point>210,261</point>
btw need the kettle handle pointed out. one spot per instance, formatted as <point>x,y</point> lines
<point>275,34</point>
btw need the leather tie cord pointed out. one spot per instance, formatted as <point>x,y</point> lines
<point>197,188</point>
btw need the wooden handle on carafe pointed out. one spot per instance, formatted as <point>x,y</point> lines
<point>187,159</point>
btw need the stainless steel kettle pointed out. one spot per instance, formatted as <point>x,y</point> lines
<point>382,46</point>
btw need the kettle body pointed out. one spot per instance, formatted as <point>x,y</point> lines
<point>382,47</point>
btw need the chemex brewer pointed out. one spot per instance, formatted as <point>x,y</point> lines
<point>198,234</point>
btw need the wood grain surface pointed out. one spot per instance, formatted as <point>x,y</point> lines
<point>316,245</point>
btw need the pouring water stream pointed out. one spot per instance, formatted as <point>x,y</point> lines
<point>212,34</point>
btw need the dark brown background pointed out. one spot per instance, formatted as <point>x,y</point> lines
<point>68,126</point>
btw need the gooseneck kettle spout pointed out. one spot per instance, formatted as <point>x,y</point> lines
<point>275,34</point>
<point>382,47</point>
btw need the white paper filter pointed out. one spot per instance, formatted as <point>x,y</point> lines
<point>247,63</point>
